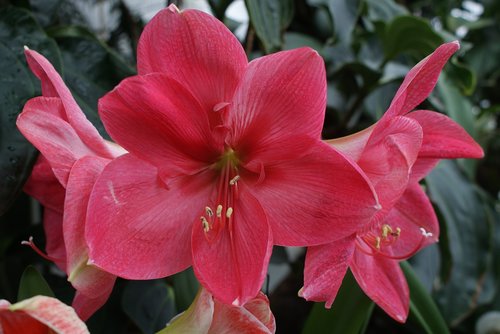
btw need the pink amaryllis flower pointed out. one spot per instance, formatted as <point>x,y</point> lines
<point>225,161</point>
<point>39,315</point>
<point>72,156</point>
<point>207,315</point>
<point>395,154</point>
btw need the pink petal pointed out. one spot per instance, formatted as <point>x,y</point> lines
<point>196,319</point>
<point>85,307</point>
<point>314,199</point>
<point>254,317</point>
<point>443,138</point>
<point>16,322</point>
<point>233,265</point>
<point>148,225</point>
<point>54,241</point>
<point>280,95</point>
<point>352,145</point>
<point>195,49</point>
<point>44,186</point>
<point>158,120</point>
<point>388,157</point>
<point>416,218</point>
<point>50,312</point>
<point>53,86</point>
<point>420,81</point>
<point>90,282</point>
<point>325,268</point>
<point>421,168</point>
<point>56,139</point>
<point>383,281</point>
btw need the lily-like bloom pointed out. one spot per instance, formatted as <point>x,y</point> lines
<point>39,315</point>
<point>395,153</point>
<point>72,156</point>
<point>207,315</point>
<point>225,161</point>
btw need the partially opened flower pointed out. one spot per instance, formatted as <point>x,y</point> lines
<point>72,156</point>
<point>395,154</point>
<point>39,315</point>
<point>207,315</point>
<point>225,161</point>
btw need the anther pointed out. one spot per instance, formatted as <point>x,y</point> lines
<point>206,225</point>
<point>397,233</point>
<point>425,233</point>
<point>219,211</point>
<point>233,181</point>
<point>209,211</point>
<point>377,243</point>
<point>229,212</point>
<point>386,230</point>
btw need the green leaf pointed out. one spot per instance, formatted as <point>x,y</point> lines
<point>269,19</point>
<point>348,315</point>
<point>149,304</point>
<point>470,236</point>
<point>17,85</point>
<point>185,288</point>
<point>33,284</point>
<point>422,307</point>
<point>410,34</point>
<point>384,10</point>
<point>219,7</point>
<point>462,76</point>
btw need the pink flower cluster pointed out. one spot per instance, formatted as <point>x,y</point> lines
<point>217,159</point>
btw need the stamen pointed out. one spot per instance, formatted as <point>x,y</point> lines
<point>397,233</point>
<point>31,244</point>
<point>209,211</point>
<point>229,212</point>
<point>425,233</point>
<point>377,243</point>
<point>205,224</point>
<point>219,211</point>
<point>386,230</point>
<point>234,180</point>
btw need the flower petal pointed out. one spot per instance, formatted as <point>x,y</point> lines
<point>317,198</point>
<point>414,215</point>
<point>56,139</point>
<point>148,225</point>
<point>388,157</point>
<point>383,281</point>
<point>158,120</point>
<point>352,145</point>
<point>18,322</point>
<point>280,95</point>
<point>51,312</point>
<point>443,138</point>
<point>254,317</point>
<point>92,284</point>
<point>420,81</point>
<point>233,266</point>
<point>325,268</point>
<point>54,240</point>
<point>53,86</point>
<point>197,50</point>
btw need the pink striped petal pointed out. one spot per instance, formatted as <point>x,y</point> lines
<point>53,86</point>
<point>158,120</point>
<point>352,145</point>
<point>85,306</point>
<point>443,138</point>
<point>195,49</point>
<point>148,225</point>
<point>420,81</point>
<point>40,314</point>
<point>232,266</point>
<point>317,198</point>
<point>282,94</point>
<point>383,281</point>
<point>325,268</point>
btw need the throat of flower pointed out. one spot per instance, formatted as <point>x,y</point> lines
<point>379,241</point>
<point>221,216</point>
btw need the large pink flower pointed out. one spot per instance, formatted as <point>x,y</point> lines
<point>395,154</point>
<point>225,161</point>
<point>207,315</point>
<point>72,156</point>
<point>39,315</point>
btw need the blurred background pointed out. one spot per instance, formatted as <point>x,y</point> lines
<point>368,46</point>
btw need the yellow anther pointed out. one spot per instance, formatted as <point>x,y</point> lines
<point>205,224</point>
<point>386,230</point>
<point>229,212</point>
<point>219,211</point>
<point>377,243</point>
<point>233,181</point>
<point>397,233</point>
<point>209,211</point>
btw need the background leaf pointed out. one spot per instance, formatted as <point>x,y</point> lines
<point>32,284</point>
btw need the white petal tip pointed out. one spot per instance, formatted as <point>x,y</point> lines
<point>236,302</point>
<point>26,48</point>
<point>173,8</point>
<point>300,293</point>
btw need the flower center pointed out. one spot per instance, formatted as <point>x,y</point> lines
<point>220,216</point>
